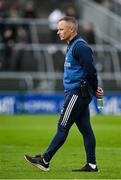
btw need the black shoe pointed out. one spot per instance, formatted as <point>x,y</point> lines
<point>38,161</point>
<point>86,168</point>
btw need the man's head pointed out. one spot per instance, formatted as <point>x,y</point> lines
<point>67,28</point>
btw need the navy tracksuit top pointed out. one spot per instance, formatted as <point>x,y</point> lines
<point>79,66</point>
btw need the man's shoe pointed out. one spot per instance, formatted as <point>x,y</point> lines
<point>86,168</point>
<point>38,161</point>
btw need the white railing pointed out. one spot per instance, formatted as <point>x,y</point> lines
<point>47,81</point>
<point>107,59</point>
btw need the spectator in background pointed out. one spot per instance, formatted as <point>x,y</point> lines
<point>1,3</point>
<point>71,11</point>
<point>53,19</point>
<point>11,12</point>
<point>29,13</point>
<point>9,35</point>
<point>88,33</point>
<point>14,14</point>
<point>17,60</point>
<point>1,19</point>
<point>8,40</point>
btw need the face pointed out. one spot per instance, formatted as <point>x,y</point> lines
<point>64,30</point>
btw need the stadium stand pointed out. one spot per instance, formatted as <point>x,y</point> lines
<point>30,61</point>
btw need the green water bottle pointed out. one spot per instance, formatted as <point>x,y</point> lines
<point>100,103</point>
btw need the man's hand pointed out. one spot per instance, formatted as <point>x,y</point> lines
<point>99,93</point>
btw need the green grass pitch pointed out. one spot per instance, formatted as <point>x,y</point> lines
<point>31,134</point>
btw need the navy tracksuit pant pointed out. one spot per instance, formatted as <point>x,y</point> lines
<point>74,110</point>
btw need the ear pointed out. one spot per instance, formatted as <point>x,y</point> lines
<point>72,28</point>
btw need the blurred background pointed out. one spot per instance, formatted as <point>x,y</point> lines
<point>32,56</point>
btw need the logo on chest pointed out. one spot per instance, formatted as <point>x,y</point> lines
<point>67,64</point>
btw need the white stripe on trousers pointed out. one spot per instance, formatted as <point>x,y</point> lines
<point>68,110</point>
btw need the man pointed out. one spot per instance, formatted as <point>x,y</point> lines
<point>81,84</point>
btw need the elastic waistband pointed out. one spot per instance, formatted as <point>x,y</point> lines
<point>73,90</point>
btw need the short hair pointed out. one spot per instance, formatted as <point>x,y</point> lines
<point>70,19</point>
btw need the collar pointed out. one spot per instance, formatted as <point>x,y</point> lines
<point>76,37</point>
